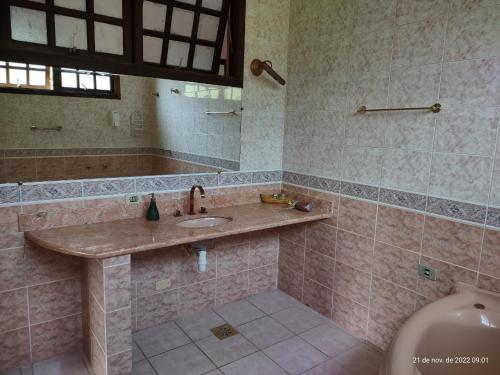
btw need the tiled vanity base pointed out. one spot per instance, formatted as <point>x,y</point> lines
<point>107,315</point>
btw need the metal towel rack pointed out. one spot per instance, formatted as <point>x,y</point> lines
<point>231,113</point>
<point>434,108</point>
<point>55,128</point>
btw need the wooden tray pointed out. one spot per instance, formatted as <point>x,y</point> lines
<point>269,198</point>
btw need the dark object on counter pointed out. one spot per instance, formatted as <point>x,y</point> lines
<point>177,213</point>
<point>153,214</point>
<point>304,206</point>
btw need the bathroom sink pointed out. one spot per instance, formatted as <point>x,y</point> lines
<point>204,222</point>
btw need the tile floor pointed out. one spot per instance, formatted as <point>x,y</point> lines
<point>277,336</point>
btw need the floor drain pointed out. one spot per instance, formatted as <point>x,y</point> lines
<point>479,306</point>
<point>224,331</point>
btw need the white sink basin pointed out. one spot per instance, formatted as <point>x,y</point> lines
<point>204,222</point>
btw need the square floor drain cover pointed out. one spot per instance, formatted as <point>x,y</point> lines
<point>224,331</point>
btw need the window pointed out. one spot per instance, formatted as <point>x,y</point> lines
<point>44,80</point>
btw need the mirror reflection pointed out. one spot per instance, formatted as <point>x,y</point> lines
<point>59,123</point>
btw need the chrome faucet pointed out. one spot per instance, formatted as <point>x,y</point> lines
<point>203,210</point>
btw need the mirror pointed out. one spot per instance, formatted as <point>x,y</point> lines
<point>79,124</point>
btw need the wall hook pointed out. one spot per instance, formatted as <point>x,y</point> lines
<point>257,67</point>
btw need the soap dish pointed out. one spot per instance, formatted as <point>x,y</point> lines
<point>276,199</point>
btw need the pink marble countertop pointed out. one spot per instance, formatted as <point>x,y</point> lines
<point>104,240</point>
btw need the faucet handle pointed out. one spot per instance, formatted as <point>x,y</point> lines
<point>203,210</point>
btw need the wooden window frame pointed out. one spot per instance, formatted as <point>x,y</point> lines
<point>131,62</point>
<point>58,89</point>
<point>27,70</point>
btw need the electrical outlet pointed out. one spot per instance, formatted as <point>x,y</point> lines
<point>427,272</point>
<point>163,284</point>
<point>133,199</point>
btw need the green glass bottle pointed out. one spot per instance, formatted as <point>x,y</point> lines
<point>153,214</point>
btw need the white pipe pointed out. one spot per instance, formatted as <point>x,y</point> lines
<point>201,252</point>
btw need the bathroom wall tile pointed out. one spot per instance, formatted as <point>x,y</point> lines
<point>403,265</point>
<point>120,363</point>
<point>462,5</point>
<point>467,130</point>
<point>118,331</point>
<point>359,191</point>
<point>319,268</point>
<point>262,279</point>
<point>400,228</point>
<point>414,86</point>
<point>96,321</point>
<point>97,357</point>
<point>318,297</point>
<point>460,177</point>
<point>366,131</point>
<point>14,349</point>
<point>490,255</point>
<point>196,297</point>
<point>206,180</point>
<point>458,210</point>
<point>352,283</point>
<point>20,169</point>
<point>117,287</point>
<point>12,240</point>
<point>232,260</point>
<point>371,53</point>
<point>56,337</point>
<point>108,187</point>
<point>8,219</point>
<point>488,283</point>
<point>12,273</point>
<point>406,170</point>
<point>374,15</point>
<point>235,178</point>
<point>321,238</point>
<point>152,184</point>
<point>294,233</point>
<point>44,266</point>
<point>452,242</point>
<point>411,11</point>
<point>231,288</point>
<point>361,165</point>
<point>354,251</point>
<point>14,307</point>
<point>419,42</point>
<point>325,160</point>
<point>410,130</point>
<point>473,82</point>
<point>290,282</point>
<point>291,256</point>
<point>116,261</point>
<point>350,315</point>
<point>55,300</point>
<point>390,305</point>
<point>264,249</point>
<point>472,34</point>
<point>39,192</point>
<point>422,302</point>
<point>365,89</point>
<point>328,127</point>
<point>157,308</point>
<point>447,276</point>
<point>357,216</point>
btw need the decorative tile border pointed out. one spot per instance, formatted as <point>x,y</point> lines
<point>150,184</point>
<point>403,199</point>
<point>457,210</point>
<point>235,178</point>
<point>359,190</point>
<point>205,180</point>
<point>9,194</point>
<point>470,212</point>
<point>108,187</point>
<point>267,176</point>
<point>40,192</point>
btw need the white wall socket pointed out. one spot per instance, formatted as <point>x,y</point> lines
<point>163,284</point>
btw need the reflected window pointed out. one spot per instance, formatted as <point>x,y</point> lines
<point>44,80</point>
